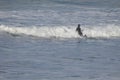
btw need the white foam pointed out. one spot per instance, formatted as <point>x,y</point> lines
<point>108,31</point>
<point>58,32</point>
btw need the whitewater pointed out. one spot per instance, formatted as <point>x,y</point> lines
<point>109,31</point>
<point>38,40</point>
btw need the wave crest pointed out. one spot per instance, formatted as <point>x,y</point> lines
<point>47,32</point>
<point>64,31</point>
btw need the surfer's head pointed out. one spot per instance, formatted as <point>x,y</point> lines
<point>78,25</point>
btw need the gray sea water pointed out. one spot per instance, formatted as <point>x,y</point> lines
<point>38,40</point>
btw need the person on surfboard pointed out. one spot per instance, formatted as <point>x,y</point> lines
<point>78,29</point>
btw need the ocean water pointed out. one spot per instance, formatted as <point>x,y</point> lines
<point>38,40</point>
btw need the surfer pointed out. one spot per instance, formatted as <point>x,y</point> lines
<point>78,29</point>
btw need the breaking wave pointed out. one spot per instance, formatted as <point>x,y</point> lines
<point>108,31</point>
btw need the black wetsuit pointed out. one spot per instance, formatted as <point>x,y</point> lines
<point>78,29</point>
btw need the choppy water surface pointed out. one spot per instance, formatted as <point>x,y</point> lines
<point>38,40</point>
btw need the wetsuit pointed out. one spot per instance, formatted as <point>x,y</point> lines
<point>78,29</point>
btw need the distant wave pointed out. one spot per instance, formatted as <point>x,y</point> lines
<point>108,31</point>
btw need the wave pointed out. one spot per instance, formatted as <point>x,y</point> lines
<point>46,32</point>
<point>108,31</point>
